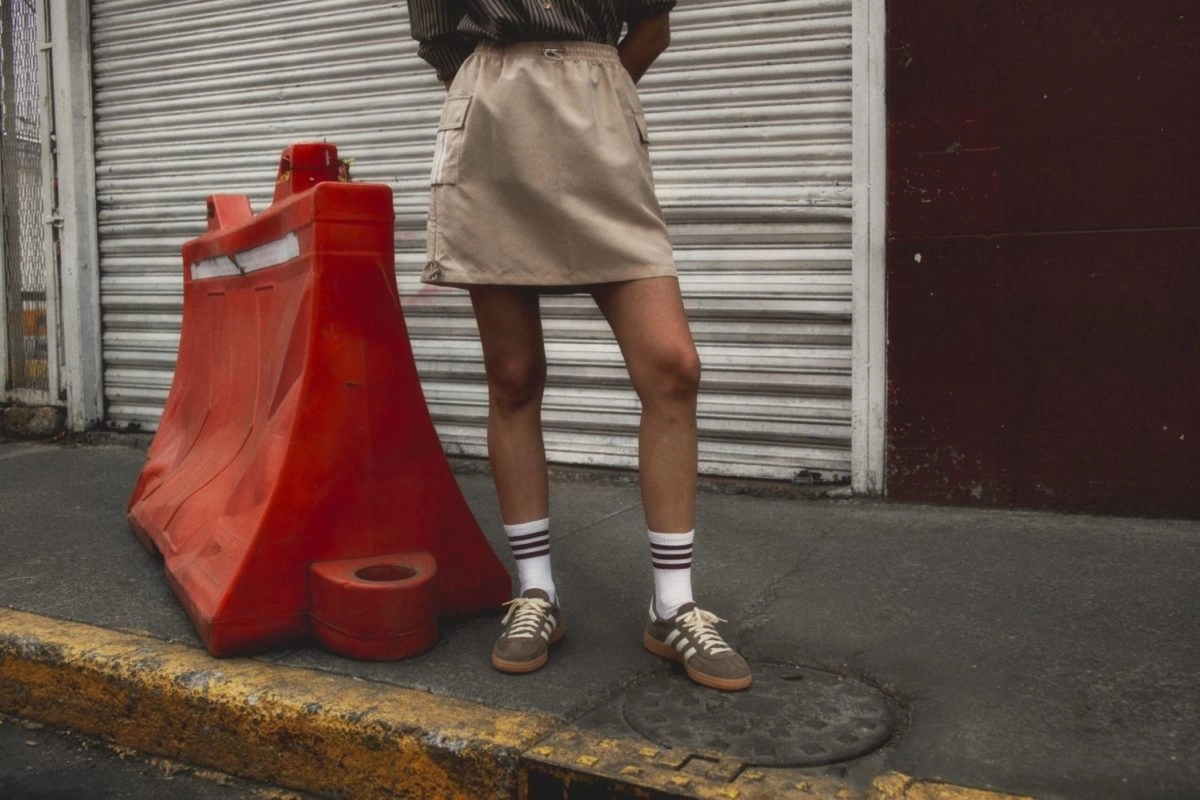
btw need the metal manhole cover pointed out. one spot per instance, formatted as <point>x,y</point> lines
<point>790,717</point>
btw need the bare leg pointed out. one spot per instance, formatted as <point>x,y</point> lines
<point>651,327</point>
<point>510,330</point>
<point>514,357</point>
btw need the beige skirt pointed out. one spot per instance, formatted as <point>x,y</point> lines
<point>541,176</point>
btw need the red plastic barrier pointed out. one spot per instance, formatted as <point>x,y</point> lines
<point>296,433</point>
<point>377,609</point>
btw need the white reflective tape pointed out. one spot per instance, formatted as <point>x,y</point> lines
<point>271,254</point>
<point>219,267</point>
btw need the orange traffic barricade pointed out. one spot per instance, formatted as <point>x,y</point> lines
<point>296,486</point>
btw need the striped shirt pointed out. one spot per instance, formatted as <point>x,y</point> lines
<point>447,30</point>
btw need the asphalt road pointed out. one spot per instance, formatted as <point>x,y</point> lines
<point>40,763</point>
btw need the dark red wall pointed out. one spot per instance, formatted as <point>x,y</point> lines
<point>1044,254</point>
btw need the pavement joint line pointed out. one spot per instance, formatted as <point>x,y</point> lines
<point>330,734</point>
<point>27,449</point>
<point>582,528</point>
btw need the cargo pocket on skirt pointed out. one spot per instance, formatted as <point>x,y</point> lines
<point>447,156</point>
<point>643,141</point>
<point>639,118</point>
<point>448,153</point>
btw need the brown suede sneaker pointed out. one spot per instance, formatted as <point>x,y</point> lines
<point>691,639</point>
<point>531,625</point>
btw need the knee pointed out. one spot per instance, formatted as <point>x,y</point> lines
<point>676,377</point>
<point>515,383</point>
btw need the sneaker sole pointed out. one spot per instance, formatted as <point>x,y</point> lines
<point>522,667</point>
<point>711,681</point>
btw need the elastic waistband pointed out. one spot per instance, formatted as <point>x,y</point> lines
<point>556,51</point>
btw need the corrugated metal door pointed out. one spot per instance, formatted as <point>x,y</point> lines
<point>750,121</point>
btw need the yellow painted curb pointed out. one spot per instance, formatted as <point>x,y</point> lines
<point>292,727</point>
<point>343,737</point>
<point>897,786</point>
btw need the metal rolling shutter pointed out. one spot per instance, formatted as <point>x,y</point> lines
<point>750,121</point>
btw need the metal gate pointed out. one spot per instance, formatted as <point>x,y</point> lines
<point>750,119</point>
<point>29,364</point>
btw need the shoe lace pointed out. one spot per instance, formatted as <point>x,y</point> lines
<point>699,623</point>
<point>526,614</point>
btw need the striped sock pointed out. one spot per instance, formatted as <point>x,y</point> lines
<point>671,556</point>
<point>530,543</point>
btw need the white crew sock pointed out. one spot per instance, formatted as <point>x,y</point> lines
<point>530,543</point>
<point>671,556</point>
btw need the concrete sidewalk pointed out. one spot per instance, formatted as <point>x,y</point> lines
<point>947,653</point>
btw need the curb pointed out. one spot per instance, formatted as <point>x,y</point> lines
<point>340,736</point>
<point>303,729</point>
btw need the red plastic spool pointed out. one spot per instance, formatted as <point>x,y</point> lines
<point>296,437</point>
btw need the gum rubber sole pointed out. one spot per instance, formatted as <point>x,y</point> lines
<point>523,667</point>
<point>711,681</point>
